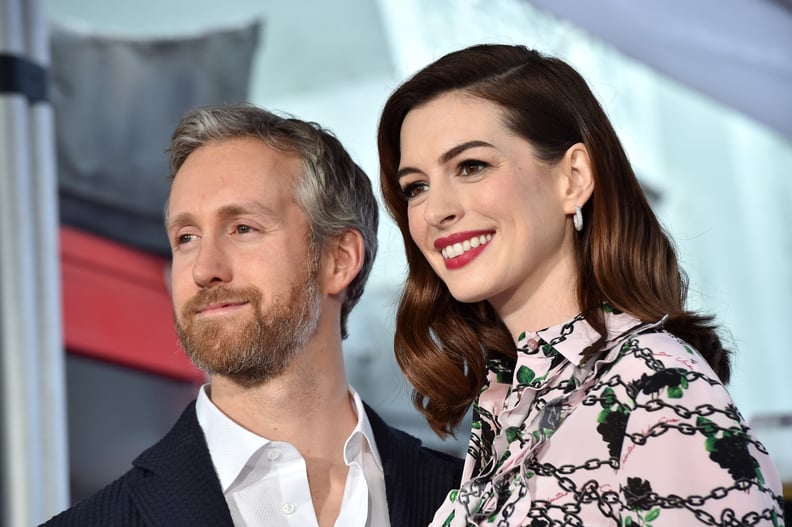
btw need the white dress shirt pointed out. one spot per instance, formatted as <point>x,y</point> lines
<point>265,482</point>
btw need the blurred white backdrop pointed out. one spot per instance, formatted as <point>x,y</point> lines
<point>722,179</point>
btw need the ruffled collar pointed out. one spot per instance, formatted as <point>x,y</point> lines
<point>572,337</point>
<point>523,403</point>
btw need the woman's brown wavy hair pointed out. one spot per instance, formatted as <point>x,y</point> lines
<point>624,257</point>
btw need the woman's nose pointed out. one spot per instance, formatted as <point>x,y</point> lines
<point>442,206</point>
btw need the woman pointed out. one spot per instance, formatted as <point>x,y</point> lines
<point>543,290</point>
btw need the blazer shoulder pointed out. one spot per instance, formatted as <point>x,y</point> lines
<point>181,450</point>
<point>112,505</point>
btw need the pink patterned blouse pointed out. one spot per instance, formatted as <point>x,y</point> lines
<point>645,434</point>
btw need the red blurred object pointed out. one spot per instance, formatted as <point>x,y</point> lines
<point>117,306</point>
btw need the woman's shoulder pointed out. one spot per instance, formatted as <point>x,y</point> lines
<point>648,349</point>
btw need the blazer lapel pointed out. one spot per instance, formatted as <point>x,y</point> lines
<point>182,489</point>
<point>417,480</point>
<point>398,456</point>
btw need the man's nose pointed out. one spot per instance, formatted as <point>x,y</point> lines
<point>211,266</point>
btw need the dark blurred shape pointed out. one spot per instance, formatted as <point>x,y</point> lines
<point>114,414</point>
<point>116,102</point>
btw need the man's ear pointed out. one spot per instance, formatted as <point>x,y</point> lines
<point>577,178</point>
<point>343,260</point>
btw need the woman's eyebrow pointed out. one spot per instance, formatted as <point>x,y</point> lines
<point>447,156</point>
<point>455,151</point>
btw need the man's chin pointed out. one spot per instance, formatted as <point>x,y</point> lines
<point>250,378</point>
<point>246,376</point>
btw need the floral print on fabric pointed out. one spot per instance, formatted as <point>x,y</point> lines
<point>644,434</point>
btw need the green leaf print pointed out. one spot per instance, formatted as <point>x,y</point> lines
<point>675,392</point>
<point>512,433</point>
<point>448,520</point>
<point>706,427</point>
<point>525,375</point>
<point>652,515</point>
<point>504,458</point>
<point>608,398</point>
<point>521,337</point>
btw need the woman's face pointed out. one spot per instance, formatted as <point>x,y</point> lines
<point>489,217</point>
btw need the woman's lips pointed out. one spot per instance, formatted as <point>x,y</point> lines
<point>461,248</point>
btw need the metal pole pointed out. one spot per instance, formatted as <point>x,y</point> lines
<point>33,427</point>
<point>52,368</point>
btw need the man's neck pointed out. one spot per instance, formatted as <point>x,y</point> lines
<point>308,406</point>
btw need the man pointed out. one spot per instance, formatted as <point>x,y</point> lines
<point>273,232</point>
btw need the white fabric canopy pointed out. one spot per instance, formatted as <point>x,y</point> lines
<point>738,52</point>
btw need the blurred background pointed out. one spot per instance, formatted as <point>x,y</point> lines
<point>90,90</point>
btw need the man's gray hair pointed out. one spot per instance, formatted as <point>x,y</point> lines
<point>333,190</point>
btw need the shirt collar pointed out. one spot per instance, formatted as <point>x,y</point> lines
<point>231,445</point>
<point>361,436</point>
<point>572,337</point>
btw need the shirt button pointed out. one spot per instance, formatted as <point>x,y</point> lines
<point>288,508</point>
<point>532,344</point>
<point>273,454</point>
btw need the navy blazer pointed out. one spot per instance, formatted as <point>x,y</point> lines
<point>174,484</point>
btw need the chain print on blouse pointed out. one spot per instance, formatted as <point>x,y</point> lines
<point>644,434</point>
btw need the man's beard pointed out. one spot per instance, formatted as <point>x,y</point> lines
<point>265,345</point>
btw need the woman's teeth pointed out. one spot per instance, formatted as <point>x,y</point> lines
<point>452,251</point>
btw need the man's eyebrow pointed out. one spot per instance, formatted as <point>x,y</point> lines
<point>246,207</point>
<point>174,222</point>
<point>447,156</point>
<point>226,211</point>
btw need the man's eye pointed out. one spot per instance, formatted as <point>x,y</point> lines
<point>243,229</point>
<point>472,167</point>
<point>414,189</point>
<point>184,238</point>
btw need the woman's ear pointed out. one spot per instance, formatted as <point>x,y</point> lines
<point>577,177</point>
<point>343,260</point>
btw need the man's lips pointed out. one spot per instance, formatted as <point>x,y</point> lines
<point>220,307</point>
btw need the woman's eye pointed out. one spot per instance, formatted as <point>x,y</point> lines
<point>472,167</point>
<point>414,189</point>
